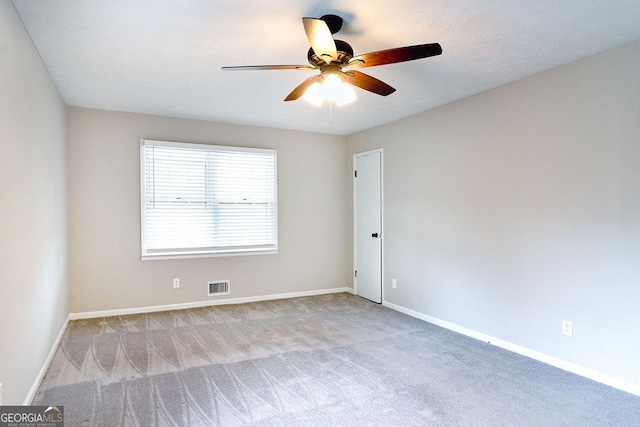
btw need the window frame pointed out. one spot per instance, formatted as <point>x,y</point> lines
<point>145,255</point>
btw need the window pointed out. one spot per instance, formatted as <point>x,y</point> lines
<point>205,200</point>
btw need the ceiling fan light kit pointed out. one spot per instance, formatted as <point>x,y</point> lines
<point>331,56</point>
<point>332,90</point>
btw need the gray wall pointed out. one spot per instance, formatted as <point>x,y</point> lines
<point>104,214</point>
<point>33,283</point>
<point>511,210</point>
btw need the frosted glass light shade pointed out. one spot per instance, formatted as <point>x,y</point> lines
<point>313,94</point>
<point>333,89</point>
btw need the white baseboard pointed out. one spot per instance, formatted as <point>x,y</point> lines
<point>524,351</point>
<point>45,365</point>
<point>196,304</point>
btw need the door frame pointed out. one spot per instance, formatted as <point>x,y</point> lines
<point>355,219</point>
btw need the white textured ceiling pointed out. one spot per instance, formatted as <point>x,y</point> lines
<point>164,56</point>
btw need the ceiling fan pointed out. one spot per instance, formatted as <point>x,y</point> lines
<point>332,56</point>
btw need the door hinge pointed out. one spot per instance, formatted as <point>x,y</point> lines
<point>356,275</point>
<point>355,174</point>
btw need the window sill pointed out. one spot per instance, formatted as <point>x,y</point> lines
<point>155,257</point>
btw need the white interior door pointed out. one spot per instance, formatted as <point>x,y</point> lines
<point>367,206</point>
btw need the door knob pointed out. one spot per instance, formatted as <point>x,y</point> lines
<point>374,235</point>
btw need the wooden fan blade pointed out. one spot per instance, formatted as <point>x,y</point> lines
<point>302,87</point>
<point>321,39</point>
<point>392,56</point>
<point>366,82</point>
<point>268,67</point>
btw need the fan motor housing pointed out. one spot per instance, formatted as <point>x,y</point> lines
<point>345,53</point>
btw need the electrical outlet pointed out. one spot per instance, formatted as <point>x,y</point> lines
<point>567,328</point>
<point>176,283</point>
<point>394,283</point>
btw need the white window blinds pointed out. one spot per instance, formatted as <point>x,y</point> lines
<point>207,200</point>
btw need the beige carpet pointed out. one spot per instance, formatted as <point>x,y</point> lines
<point>326,360</point>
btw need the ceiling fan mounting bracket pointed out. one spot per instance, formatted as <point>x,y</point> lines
<point>334,22</point>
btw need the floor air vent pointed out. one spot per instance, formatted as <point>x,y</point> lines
<point>220,287</point>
